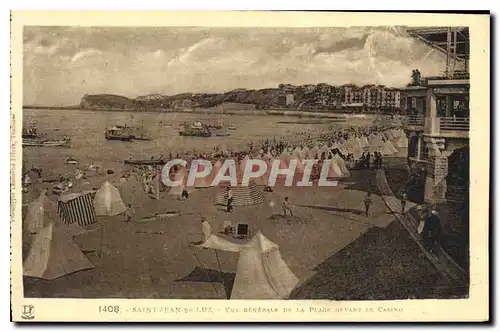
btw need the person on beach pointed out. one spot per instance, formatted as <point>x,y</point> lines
<point>129,213</point>
<point>432,230</point>
<point>285,207</point>
<point>229,207</point>
<point>184,194</point>
<point>368,201</point>
<point>206,229</point>
<point>403,200</point>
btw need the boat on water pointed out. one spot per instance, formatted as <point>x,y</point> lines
<point>71,161</point>
<point>31,133</point>
<point>46,142</point>
<point>219,124</point>
<point>196,130</point>
<point>231,127</point>
<point>127,133</point>
<point>223,134</point>
<point>119,133</point>
<point>145,162</point>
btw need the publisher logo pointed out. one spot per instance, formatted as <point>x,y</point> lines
<point>28,311</point>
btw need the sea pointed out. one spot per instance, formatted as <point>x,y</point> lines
<point>88,145</point>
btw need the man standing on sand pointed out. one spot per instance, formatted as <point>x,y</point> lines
<point>403,198</point>
<point>368,202</point>
<point>286,207</point>
<point>129,213</point>
<point>229,207</point>
<point>206,229</point>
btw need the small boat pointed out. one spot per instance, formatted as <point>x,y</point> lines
<point>31,133</point>
<point>196,131</point>
<point>142,138</point>
<point>231,127</point>
<point>222,134</point>
<point>71,161</point>
<point>119,133</point>
<point>219,124</point>
<point>46,143</point>
<point>144,162</point>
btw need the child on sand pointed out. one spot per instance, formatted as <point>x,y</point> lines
<point>129,213</point>
<point>368,202</point>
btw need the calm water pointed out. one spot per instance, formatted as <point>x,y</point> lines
<point>86,129</point>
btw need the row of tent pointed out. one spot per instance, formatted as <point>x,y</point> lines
<point>337,169</point>
<point>387,143</point>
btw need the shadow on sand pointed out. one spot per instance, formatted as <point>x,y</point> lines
<point>383,264</point>
<point>199,274</point>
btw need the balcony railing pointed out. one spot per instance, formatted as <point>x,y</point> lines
<point>454,124</point>
<point>414,120</point>
<point>447,126</point>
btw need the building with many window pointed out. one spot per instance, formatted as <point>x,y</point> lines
<point>372,96</point>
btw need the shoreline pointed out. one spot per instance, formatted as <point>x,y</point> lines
<point>329,114</point>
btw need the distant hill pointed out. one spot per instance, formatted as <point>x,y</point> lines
<point>305,97</point>
<point>108,101</point>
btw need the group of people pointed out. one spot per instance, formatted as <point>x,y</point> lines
<point>370,161</point>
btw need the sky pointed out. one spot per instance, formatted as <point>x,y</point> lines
<point>61,64</point>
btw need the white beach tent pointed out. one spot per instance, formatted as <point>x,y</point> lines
<point>334,171</point>
<point>324,150</point>
<point>297,152</point>
<point>261,273</point>
<point>259,181</point>
<point>341,163</point>
<point>201,182</point>
<point>39,213</point>
<point>180,175</point>
<point>304,153</point>
<point>108,201</point>
<point>53,254</point>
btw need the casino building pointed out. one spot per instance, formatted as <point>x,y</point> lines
<point>438,111</point>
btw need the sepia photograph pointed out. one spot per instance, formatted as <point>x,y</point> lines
<point>192,162</point>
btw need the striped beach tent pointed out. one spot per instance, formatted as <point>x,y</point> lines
<point>77,208</point>
<point>242,195</point>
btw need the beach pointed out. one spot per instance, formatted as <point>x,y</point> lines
<point>155,258</point>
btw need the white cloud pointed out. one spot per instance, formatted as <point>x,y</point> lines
<point>85,54</point>
<point>61,69</point>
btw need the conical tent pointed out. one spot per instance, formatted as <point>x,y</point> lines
<point>53,254</point>
<point>202,182</point>
<point>108,202</point>
<point>181,176</point>
<point>304,153</point>
<point>285,153</point>
<point>334,171</point>
<point>215,169</point>
<point>325,152</point>
<point>261,273</point>
<point>390,146</point>
<point>39,213</point>
<point>341,163</point>
<point>259,181</point>
<point>297,152</point>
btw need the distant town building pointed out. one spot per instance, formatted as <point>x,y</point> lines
<point>372,96</point>
<point>286,100</point>
<point>308,88</point>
